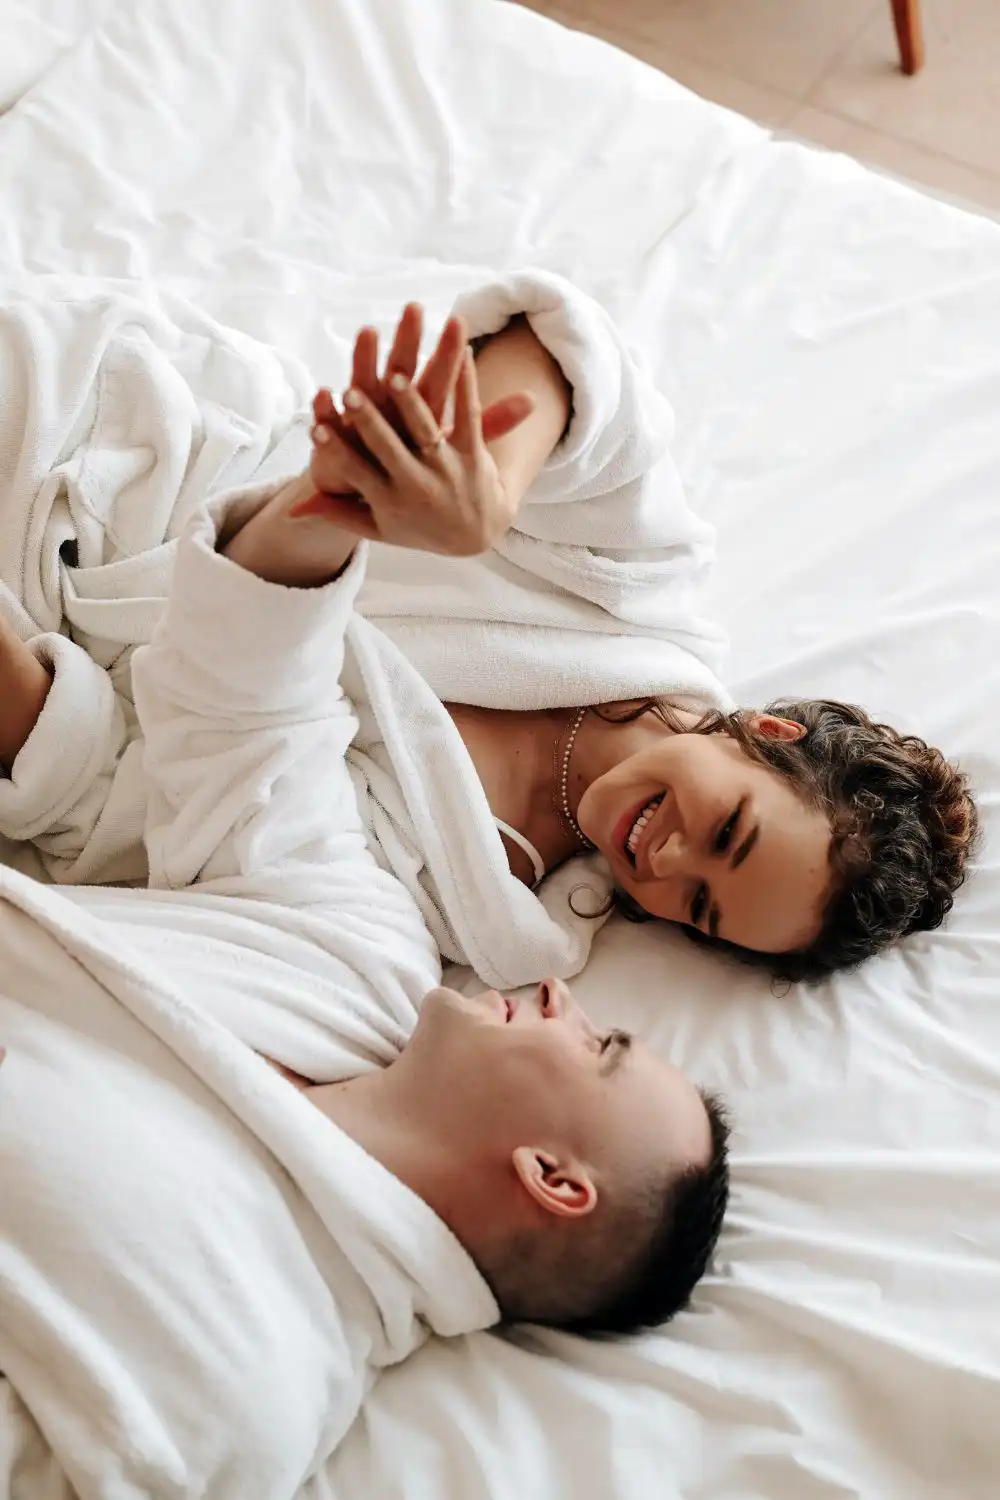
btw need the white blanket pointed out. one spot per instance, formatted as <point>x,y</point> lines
<point>830,344</point>
<point>129,410</point>
<point>199,1274</point>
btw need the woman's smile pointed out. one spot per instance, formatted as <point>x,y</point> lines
<point>631,832</point>
<point>697,832</point>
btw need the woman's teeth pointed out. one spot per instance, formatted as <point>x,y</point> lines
<point>638,827</point>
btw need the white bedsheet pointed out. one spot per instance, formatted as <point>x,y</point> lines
<point>831,344</point>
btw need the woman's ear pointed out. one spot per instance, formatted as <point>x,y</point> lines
<point>564,1188</point>
<point>773,728</point>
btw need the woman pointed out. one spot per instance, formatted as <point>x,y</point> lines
<point>805,836</point>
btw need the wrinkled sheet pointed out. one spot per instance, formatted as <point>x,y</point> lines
<point>831,345</point>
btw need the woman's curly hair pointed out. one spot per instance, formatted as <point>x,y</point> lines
<point>903,821</point>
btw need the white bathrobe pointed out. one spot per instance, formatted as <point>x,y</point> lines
<point>200,1275</point>
<point>591,597</point>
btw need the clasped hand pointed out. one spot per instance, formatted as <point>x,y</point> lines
<point>407,460</point>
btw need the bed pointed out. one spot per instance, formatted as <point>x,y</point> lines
<point>830,341</point>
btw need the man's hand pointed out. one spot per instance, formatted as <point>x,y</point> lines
<point>415,463</point>
<point>436,384</point>
<point>414,484</point>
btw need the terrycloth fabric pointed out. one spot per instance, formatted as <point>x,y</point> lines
<point>199,1274</point>
<point>590,598</point>
<point>592,595</point>
<point>120,411</point>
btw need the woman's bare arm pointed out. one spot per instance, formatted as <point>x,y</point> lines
<point>523,396</point>
<point>514,362</point>
<point>524,402</point>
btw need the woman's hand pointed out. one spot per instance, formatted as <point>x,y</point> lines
<point>412,483</point>
<point>436,383</point>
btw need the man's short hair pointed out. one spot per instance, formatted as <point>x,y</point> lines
<point>632,1264</point>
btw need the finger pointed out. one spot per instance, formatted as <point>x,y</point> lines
<point>468,434</point>
<point>364,371</point>
<point>437,383</point>
<point>418,419</point>
<point>380,440</point>
<point>337,466</point>
<point>348,511</point>
<point>323,406</point>
<point>506,414</point>
<point>327,415</point>
<point>405,349</point>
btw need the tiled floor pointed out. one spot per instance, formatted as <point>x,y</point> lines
<point>827,71</point>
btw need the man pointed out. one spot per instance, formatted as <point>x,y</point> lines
<point>202,1268</point>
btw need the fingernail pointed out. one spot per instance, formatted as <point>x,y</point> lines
<point>321,435</point>
<point>353,400</point>
<point>397,382</point>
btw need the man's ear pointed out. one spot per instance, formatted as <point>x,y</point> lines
<point>561,1187</point>
<point>773,728</point>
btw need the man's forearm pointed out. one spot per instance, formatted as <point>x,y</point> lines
<point>24,687</point>
<point>300,553</point>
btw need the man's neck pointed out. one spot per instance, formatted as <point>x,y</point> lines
<point>386,1119</point>
<point>374,1109</point>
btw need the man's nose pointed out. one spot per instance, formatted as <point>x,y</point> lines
<point>555,1000</point>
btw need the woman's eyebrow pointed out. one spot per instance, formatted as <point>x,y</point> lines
<point>745,847</point>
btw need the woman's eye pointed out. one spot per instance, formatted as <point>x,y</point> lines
<point>606,1042</point>
<point>698,906</point>
<point>724,837</point>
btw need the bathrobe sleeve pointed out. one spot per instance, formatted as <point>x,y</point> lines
<point>121,408</point>
<point>74,789</point>
<point>596,592</point>
<point>245,729</point>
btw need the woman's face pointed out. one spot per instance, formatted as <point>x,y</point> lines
<point>697,832</point>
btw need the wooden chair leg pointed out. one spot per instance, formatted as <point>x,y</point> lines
<point>909,34</point>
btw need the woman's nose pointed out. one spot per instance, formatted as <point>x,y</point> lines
<point>670,858</point>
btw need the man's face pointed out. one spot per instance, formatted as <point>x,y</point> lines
<point>506,1073</point>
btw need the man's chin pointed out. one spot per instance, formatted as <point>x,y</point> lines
<point>442,1001</point>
